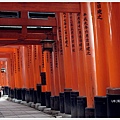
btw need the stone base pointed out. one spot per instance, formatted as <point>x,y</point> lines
<point>66,116</point>
<point>58,116</point>
<point>23,102</point>
<point>33,105</point>
<point>47,111</point>
<point>13,100</point>
<point>29,104</point>
<point>17,101</point>
<point>37,105</point>
<point>55,113</point>
<point>41,108</point>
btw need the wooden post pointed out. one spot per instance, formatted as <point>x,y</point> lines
<point>88,41</point>
<point>60,54</point>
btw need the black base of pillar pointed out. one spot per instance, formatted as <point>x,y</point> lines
<point>18,93</point>
<point>52,102</point>
<point>100,106</point>
<point>43,101</point>
<point>35,96</point>
<point>5,90</point>
<point>56,103</point>
<point>81,105</point>
<point>27,95</point>
<point>12,93</point>
<point>113,106</point>
<point>23,94</point>
<point>31,94</point>
<point>61,98</point>
<point>15,93</point>
<point>38,93</point>
<point>74,95</point>
<point>8,91</point>
<point>47,97</point>
<point>89,113</point>
<point>67,103</point>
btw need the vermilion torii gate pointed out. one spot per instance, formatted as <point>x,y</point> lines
<point>66,56</point>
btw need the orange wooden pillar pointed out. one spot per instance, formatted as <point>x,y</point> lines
<point>113,44</point>
<point>26,72</point>
<point>0,74</point>
<point>43,70</point>
<point>100,47</point>
<point>75,62</point>
<point>21,66</point>
<point>16,68</point>
<point>64,35</point>
<point>6,78</point>
<point>33,66</point>
<point>55,65</point>
<point>35,69</point>
<point>23,72</point>
<point>66,49</point>
<point>43,78</point>
<point>39,85</point>
<point>60,54</point>
<point>54,68</point>
<point>89,57</point>
<point>113,50</point>
<point>81,47</point>
<point>18,75</point>
<point>40,60</point>
<point>10,88</point>
<point>28,67</point>
<point>11,72</point>
<point>78,65</point>
<point>11,82</point>
<point>100,20</point>
<point>60,62</point>
<point>74,51</point>
<point>4,74</point>
<point>31,70</point>
<point>46,78</point>
<point>51,98</point>
<point>49,76</point>
<point>36,65</point>
<point>6,64</point>
<point>15,72</point>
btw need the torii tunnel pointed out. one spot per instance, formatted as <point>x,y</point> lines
<point>64,55</point>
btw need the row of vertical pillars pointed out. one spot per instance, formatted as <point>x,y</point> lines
<point>100,65</point>
<point>69,102</point>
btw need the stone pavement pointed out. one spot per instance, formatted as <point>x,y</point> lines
<point>9,109</point>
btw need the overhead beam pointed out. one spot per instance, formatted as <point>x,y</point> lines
<point>27,22</point>
<point>4,55</point>
<point>32,36</point>
<point>10,46</point>
<point>8,50</point>
<point>28,31</point>
<point>41,6</point>
<point>19,42</point>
